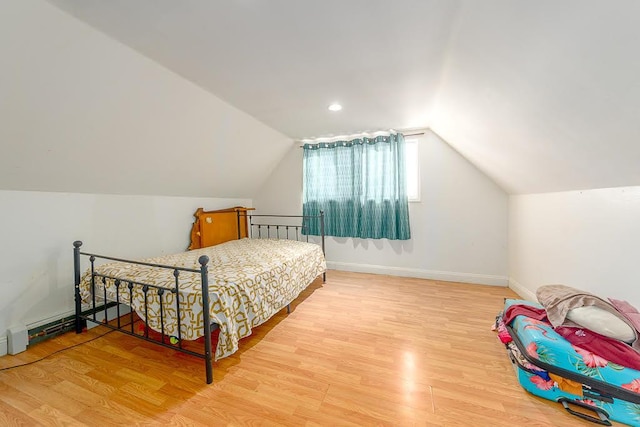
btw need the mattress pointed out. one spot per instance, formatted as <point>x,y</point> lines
<point>249,281</point>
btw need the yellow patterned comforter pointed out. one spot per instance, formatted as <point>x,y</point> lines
<point>249,281</point>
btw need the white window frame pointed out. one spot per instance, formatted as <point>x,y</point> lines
<point>412,159</point>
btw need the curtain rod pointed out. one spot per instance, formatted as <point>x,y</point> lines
<point>403,134</point>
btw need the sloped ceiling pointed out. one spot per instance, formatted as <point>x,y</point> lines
<point>540,95</point>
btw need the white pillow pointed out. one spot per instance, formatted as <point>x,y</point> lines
<point>602,322</point>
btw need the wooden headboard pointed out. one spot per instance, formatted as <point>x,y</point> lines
<point>215,227</point>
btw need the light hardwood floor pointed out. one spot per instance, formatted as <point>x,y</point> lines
<point>359,349</point>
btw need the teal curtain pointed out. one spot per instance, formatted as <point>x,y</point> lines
<point>360,184</point>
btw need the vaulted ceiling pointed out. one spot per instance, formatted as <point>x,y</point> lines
<point>540,95</point>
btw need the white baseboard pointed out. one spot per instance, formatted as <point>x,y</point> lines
<point>524,293</point>
<point>3,345</point>
<point>480,279</point>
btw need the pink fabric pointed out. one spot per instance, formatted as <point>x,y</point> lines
<point>628,311</point>
<point>524,310</point>
<point>503,334</point>
<point>608,348</point>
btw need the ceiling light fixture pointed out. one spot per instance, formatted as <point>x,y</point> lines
<point>335,107</point>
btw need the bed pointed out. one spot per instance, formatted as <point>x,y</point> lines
<point>230,286</point>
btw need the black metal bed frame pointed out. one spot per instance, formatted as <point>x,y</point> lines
<point>125,285</point>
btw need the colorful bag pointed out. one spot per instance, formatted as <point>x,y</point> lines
<point>550,367</point>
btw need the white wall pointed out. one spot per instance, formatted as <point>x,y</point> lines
<point>459,228</point>
<point>82,116</point>
<point>586,239</point>
<point>535,96</point>
<point>38,229</point>
<point>81,112</point>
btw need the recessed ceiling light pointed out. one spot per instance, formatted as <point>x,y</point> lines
<point>335,107</point>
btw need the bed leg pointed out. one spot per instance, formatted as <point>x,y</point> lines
<point>324,275</point>
<point>288,308</point>
<point>208,359</point>
<point>209,367</point>
<point>76,276</point>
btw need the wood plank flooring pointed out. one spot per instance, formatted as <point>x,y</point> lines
<point>357,350</point>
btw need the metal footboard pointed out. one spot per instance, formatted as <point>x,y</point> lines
<point>99,305</point>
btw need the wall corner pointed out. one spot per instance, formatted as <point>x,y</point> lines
<point>3,346</point>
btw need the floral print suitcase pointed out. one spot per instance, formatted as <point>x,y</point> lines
<point>584,383</point>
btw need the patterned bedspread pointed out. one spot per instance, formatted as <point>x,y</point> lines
<point>249,281</point>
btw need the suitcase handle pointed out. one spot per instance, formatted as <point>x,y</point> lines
<point>602,419</point>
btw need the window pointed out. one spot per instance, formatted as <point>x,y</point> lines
<point>412,159</point>
<point>360,185</point>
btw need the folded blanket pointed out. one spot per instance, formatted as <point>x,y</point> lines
<point>558,300</point>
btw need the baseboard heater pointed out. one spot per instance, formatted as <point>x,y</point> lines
<point>51,329</point>
<point>19,337</point>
